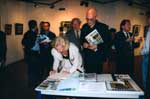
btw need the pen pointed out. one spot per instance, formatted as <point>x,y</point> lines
<point>67,89</point>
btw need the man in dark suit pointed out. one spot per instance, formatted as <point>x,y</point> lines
<point>46,58</point>
<point>30,43</point>
<point>125,44</point>
<point>73,34</point>
<point>94,54</point>
<point>3,49</point>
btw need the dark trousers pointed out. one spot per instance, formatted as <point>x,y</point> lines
<point>125,65</point>
<point>46,63</point>
<point>147,91</point>
<point>34,69</point>
<point>92,62</point>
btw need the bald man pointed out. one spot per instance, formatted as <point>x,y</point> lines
<point>94,55</point>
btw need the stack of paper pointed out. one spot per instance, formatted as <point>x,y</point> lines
<point>96,87</point>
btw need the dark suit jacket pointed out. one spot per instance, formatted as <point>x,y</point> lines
<point>72,38</point>
<point>28,42</point>
<point>45,49</point>
<point>93,59</point>
<point>125,53</point>
<point>3,46</point>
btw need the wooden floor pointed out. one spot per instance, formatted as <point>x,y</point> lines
<point>13,83</point>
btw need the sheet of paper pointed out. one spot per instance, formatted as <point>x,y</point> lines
<point>104,77</point>
<point>92,87</point>
<point>68,84</point>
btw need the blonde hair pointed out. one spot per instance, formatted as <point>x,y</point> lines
<point>61,40</point>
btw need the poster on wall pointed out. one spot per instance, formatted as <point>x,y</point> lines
<point>18,29</point>
<point>8,29</point>
<point>64,27</point>
<point>136,30</point>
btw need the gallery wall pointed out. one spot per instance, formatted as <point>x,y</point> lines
<point>20,12</point>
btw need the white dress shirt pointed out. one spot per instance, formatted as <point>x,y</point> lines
<point>146,47</point>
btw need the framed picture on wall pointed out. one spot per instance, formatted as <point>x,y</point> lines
<point>18,29</point>
<point>8,29</point>
<point>136,30</point>
<point>64,27</point>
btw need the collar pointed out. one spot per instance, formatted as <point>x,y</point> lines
<point>77,30</point>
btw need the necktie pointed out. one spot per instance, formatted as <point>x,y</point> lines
<point>60,67</point>
<point>128,35</point>
<point>77,34</point>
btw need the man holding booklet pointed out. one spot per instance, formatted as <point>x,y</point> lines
<point>95,40</point>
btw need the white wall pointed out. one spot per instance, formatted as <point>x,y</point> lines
<point>20,12</point>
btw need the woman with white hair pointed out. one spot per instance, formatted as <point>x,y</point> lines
<point>67,58</point>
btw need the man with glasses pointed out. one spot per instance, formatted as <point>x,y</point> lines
<point>94,54</point>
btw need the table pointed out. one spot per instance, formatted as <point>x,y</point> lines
<point>99,92</point>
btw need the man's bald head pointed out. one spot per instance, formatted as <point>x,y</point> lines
<point>91,15</point>
<point>91,12</point>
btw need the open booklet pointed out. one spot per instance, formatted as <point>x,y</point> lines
<point>43,38</point>
<point>94,38</point>
<point>121,83</point>
<point>60,82</point>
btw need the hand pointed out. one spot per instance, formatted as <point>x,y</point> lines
<point>65,72</point>
<point>140,40</point>
<point>52,72</point>
<point>131,39</point>
<point>93,47</point>
<point>85,45</point>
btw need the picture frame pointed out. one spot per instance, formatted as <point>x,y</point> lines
<point>18,29</point>
<point>64,27</point>
<point>136,29</point>
<point>8,29</point>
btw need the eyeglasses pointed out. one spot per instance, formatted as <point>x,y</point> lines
<point>89,19</point>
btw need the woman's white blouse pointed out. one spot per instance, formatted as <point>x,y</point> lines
<point>75,58</point>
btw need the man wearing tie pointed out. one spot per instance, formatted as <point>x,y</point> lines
<point>73,34</point>
<point>125,44</point>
